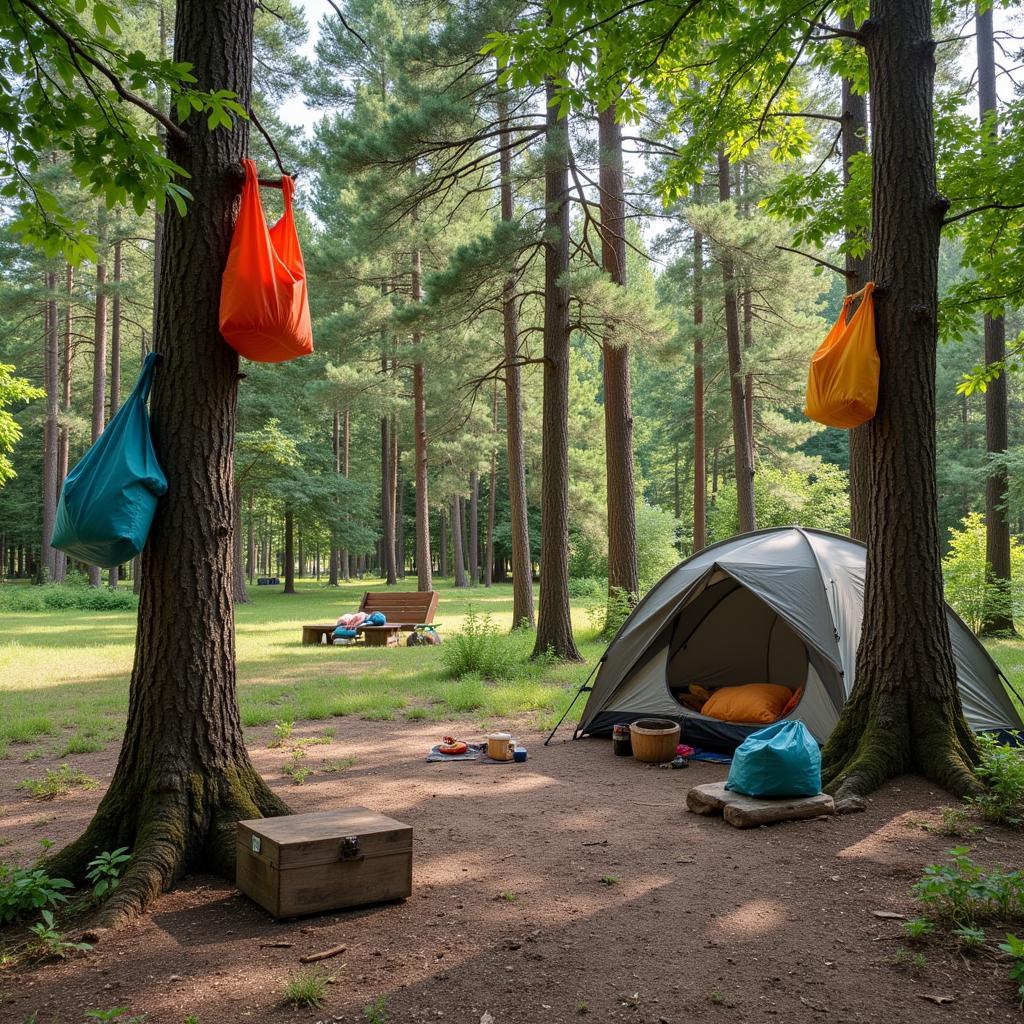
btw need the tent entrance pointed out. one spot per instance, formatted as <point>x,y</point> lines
<point>727,636</point>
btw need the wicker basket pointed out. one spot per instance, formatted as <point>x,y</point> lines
<point>654,739</point>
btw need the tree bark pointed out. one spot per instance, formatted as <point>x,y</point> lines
<point>745,515</point>
<point>387,500</point>
<point>442,545</point>
<point>854,140</point>
<point>522,560</point>
<point>346,437</point>
<point>396,522</point>
<point>63,448</point>
<point>457,549</point>
<point>904,714</point>
<point>554,624</point>
<point>51,428</point>
<point>424,575</point>
<point>474,527</point>
<point>183,777</point>
<point>115,365</point>
<point>99,362</point>
<point>334,563</point>
<point>239,593</point>
<point>998,614</point>
<point>492,482</point>
<point>618,403</point>
<point>700,472</point>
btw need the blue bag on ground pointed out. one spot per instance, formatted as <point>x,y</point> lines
<point>108,500</point>
<point>781,760</point>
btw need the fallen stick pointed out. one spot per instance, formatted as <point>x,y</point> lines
<point>276,945</point>
<point>326,954</point>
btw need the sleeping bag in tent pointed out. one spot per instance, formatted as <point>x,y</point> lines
<point>781,760</point>
<point>842,383</point>
<point>264,306</point>
<point>108,500</point>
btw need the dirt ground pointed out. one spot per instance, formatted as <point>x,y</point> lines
<point>574,886</point>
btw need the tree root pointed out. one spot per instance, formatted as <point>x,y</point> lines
<point>184,823</point>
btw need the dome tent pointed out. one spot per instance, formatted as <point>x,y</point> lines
<point>774,606</point>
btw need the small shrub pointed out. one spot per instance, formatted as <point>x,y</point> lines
<point>1015,947</point>
<point>66,597</point>
<point>49,941</point>
<point>1001,769</point>
<point>587,586</point>
<point>117,1013</point>
<point>377,1011</point>
<point>308,988</point>
<point>917,928</point>
<point>608,880</point>
<point>962,893</point>
<point>296,769</point>
<point>23,891</point>
<point>480,648</point>
<point>282,733</point>
<point>104,871</point>
<point>954,822</point>
<point>607,617</point>
<point>969,937</point>
<point>57,782</point>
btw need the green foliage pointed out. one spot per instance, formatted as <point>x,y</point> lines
<point>23,891</point>
<point>307,988</point>
<point>104,871</point>
<point>587,586</point>
<point>965,574</point>
<point>962,893</point>
<point>13,390</point>
<point>49,941</point>
<point>1001,769</point>
<point>1015,947</point>
<point>480,648</point>
<point>117,1013</point>
<point>282,733</point>
<point>656,551</point>
<point>65,597</point>
<point>917,928</point>
<point>377,1011</point>
<point>57,782</point>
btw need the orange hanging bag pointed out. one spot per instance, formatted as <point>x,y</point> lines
<point>842,385</point>
<point>264,305</point>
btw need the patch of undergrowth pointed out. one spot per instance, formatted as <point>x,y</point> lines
<point>57,782</point>
<point>307,988</point>
<point>66,597</point>
<point>482,648</point>
<point>960,898</point>
<point>104,872</point>
<point>377,1011</point>
<point>1001,770</point>
<point>26,891</point>
<point>119,1014</point>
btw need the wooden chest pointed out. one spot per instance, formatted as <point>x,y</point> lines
<point>308,863</point>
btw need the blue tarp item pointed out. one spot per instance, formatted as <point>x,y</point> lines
<point>781,760</point>
<point>108,500</point>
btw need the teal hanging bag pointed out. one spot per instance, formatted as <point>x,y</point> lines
<point>108,500</point>
<point>781,760</point>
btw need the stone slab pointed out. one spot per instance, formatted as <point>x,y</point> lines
<point>749,812</point>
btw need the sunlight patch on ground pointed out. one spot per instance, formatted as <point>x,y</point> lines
<point>753,919</point>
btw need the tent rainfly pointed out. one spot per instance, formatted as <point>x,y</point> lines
<point>775,606</point>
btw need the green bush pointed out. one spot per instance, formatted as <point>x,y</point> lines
<point>66,597</point>
<point>26,890</point>
<point>481,648</point>
<point>962,893</point>
<point>965,574</point>
<point>1001,769</point>
<point>656,551</point>
<point>587,586</point>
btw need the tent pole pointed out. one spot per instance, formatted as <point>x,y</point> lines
<point>582,689</point>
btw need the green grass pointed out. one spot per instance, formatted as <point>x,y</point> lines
<point>71,686</point>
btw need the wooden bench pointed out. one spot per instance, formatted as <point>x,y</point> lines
<point>403,611</point>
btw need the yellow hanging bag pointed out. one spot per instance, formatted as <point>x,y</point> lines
<point>842,384</point>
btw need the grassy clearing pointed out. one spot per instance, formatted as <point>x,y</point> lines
<point>66,692</point>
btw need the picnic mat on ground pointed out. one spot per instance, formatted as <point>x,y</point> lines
<point>476,752</point>
<point>709,756</point>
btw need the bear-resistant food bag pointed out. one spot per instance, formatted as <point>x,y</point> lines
<point>264,305</point>
<point>842,383</point>
<point>781,760</point>
<point>108,500</point>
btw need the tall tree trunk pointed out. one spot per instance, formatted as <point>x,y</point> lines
<point>904,714</point>
<point>115,363</point>
<point>346,438</point>
<point>442,545</point>
<point>99,362</point>
<point>998,615</point>
<point>289,551</point>
<point>250,556</point>
<point>239,593</point>
<point>63,449</point>
<point>522,560</point>
<point>554,624</point>
<point>492,483</point>
<point>618,402</point>
<point>457,548</point>
<point>335,556</point>
<point>474,527</point>
<point>400,526</point>
<point>745,516</point>
<point>51,428</point>
<point>183,777</point>
<point>387,502</point>
<point>393,496</point>
<point>700,469</point>
<point>424,577</point>
<point>743,177</point>
<point>854,140</point>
